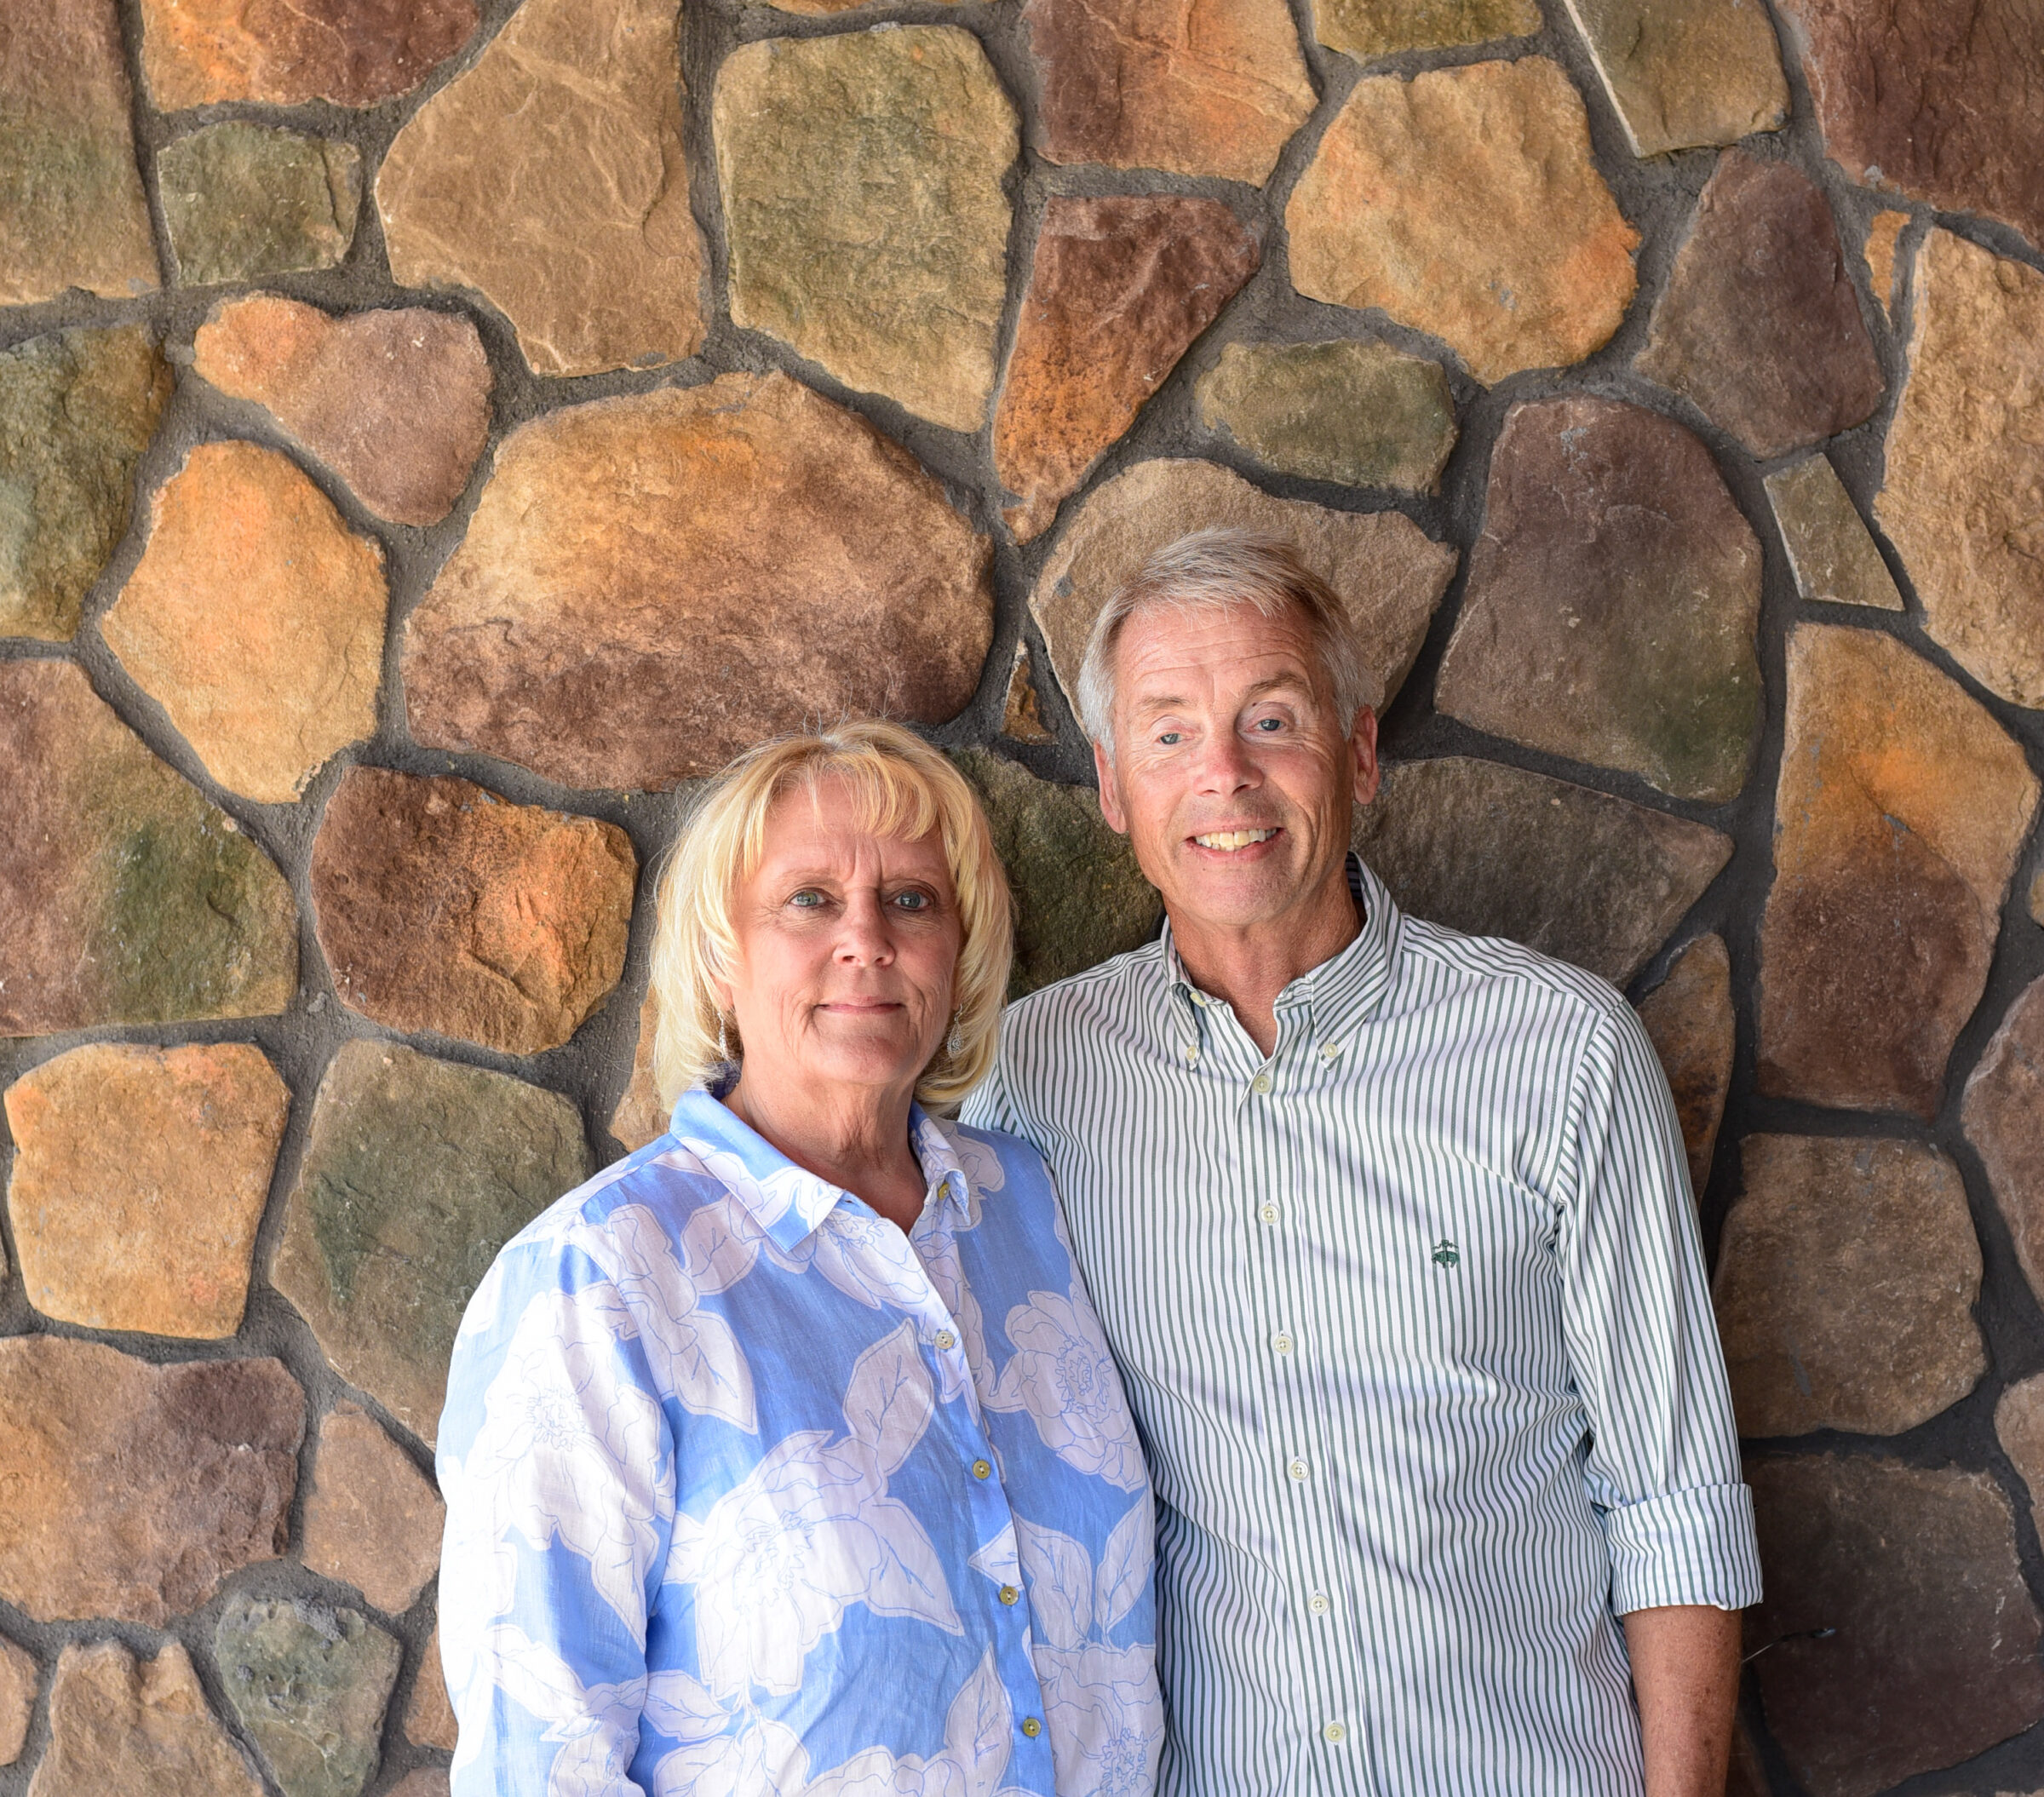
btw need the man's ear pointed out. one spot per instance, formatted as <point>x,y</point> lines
<point>1362,744</point>
<point>1110,792</point>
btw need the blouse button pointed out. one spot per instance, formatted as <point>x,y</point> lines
<point>946,1341</point>
<point>1031,1727</point>
<point>1008,1594</point>
<point>982,1469</point>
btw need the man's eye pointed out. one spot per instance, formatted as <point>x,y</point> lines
<point>1268,725</point>
<point>1171,739</point>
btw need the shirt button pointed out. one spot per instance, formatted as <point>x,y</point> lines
<point>1318,1604</point>
<point>1260,1084</point>
<point>946,1341</point>
<point>982,1469</point>
<point>1336,1732</point>
<point>1329,1051</point>
<point>1300,1471</point>
<point>1031,1726</point>
<point>1268,1212</point>
<point>1008,1594</point>
<point>1282,1342</point>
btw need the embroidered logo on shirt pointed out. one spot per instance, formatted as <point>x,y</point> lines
<point>1446,1254</point>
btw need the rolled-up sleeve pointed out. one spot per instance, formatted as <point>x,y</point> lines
<point>1663,1467</point>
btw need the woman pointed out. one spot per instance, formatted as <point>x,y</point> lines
<point>785,1457</point>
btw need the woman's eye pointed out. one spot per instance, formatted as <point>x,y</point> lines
<point>807,899</point>
<point>913,901</point>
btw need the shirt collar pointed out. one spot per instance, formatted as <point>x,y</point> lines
<point>1344,991</point>
<point>789,1203</point>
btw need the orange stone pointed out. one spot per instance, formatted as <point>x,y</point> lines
<point>354,53</point>
<point>1688,1018</point>
<point>1881,238</point>
<point>372,1520</point>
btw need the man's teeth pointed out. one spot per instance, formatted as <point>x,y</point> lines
<point>1234,838</point>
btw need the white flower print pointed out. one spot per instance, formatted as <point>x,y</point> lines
<point>595,1726</point>
<point>810,1531</point>
<point>1105,1719</point>
<point>788,1187</point>
<point>979,1162</point>
<point>1061,1374</point>
<point>865,1257</point>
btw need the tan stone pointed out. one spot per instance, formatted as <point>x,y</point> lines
<point>397,403</point>
<point>1021,718</point>
<point>861,177</point>
<point>131,1490</point>
<point>428,1781</point>
<point>1368,28</point>
<point>372,1520</point>
<point>1690,1019</point>
<point>1879,252</point>
<point>2019,1427</point>
<point>117,1725</point>
<point>442,907</point>
<point>1682,73</point>
<point>1118,291</point>
<point>639,1116</point>
<point>255,618</point>
<point>18,1678</point>
<point>429,1717</point>
<point>652,583</point>
<point>1387,572</point>
<point>139,1177</point>
<point>1829,548</point>
<point>1198,87</point>
<point>1848,1274</point>
<point>2036,896</point>
<point>2003,1116</point>
<point>1464,202</point>
<point>1964,501</point>
<point>354,53</point>
<point>550,177</point>
<point>1901,808</point>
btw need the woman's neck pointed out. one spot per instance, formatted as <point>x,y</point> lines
<point>858,1138</point>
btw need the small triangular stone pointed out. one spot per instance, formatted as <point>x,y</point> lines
<point>1829,547</point>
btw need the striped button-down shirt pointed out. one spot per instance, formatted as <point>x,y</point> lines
<point>1412,1314</point>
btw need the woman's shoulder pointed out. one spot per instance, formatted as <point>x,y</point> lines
<point>994,1160</point>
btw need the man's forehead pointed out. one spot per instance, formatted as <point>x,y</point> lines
<point>1219,645</point>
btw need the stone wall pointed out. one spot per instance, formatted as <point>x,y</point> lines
<point>433,434</point>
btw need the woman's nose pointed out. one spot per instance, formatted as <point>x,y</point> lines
<point>865,939</point>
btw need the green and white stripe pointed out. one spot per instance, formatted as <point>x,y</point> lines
<point>1413,1317</point>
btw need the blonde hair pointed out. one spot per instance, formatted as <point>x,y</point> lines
<point>899,786</point>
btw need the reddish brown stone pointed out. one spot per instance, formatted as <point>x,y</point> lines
<point>2019,1427</point>
<point>652,583</point>
<point>286,52</point>
<point>372,1520</point>
<point>124,895</point>
<point>1689,1016</point>
<point>443,907</point>
<point>396,403</point>
<point>1900,1635</point>
<point>1021,718</point>
<point>1760,325</point>
<point>1901,809</point>
<point>139,1177</point>
<point>2004,1120</point>
<point>1119,289</point>
<point>1937,100</point>
<point>1613,599</point>
<point>1198,87</point>
<point>429,1717</point>
<point>18,1681</point>
<point>132,1490</point>
<point>120,1724</point>
<point>639,1116</point>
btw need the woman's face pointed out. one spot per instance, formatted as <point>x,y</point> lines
<point>847,947</point>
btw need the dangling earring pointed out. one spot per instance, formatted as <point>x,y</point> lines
<point>723,1046</point>
<point>956,1040</point>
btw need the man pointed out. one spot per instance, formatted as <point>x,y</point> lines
<point>1390,1230</point>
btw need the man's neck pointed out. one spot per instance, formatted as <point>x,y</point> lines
<point>1250,964</point>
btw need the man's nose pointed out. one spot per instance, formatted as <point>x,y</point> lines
<point>1224,763</point>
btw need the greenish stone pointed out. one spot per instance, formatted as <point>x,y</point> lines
<point>1362,414</point>
<point>1367,28</point>
<point>310,1685</point>
<point>244,201</point>
<point>76,410</point>
<point>1080,898</point>
<point>416,1173</point>
<point>1829,545</point>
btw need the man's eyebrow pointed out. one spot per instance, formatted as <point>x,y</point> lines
<point>1292,680</point>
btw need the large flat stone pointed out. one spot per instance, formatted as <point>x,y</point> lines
<point>1937,100</point>
<point>1759,322</point>
<point>372,1520</point>
<point>1829,548</point>
<point>2019,1427</point>
<point>416,1172</point>
<point>1198,87</point>
<point>1929,1648</point>
<point>1848,1274</point>
<point>245,201</point>
<point>1688,1017</point>
<point>309,1684</point>
<point>1386,571</point>
<point>396,402</point>
<point>1495,850</point>
<point>1464,202</point>
<point>1370,28</point>
<point>1362,414</point>
<point>442,907</point>
<point>139,1177</point>
<point>124,895</point>
<point>72,209</point>
<point>641,593</point>
<point>134,1490</point>
<point>354,53</point>
<point>77,410</point>
<point>639,1116</point>
<point>550,179</point>
<point>1612,603</point>
<point>1681,73</point>
<point>1901,809</point>
<point>861,177</point>
<point>2003,1116</point>
<point>1964,499</point>
<point>255,618</point>
<point>429,1717</point>
<point>1117,292</point>
<point>1080,896</point>
<point>117,1724</point>
<point>18,1679</point>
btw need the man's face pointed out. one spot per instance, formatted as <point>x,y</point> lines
<point>1231,772</point>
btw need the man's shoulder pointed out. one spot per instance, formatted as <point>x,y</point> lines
<point>1110,988</point>
<point>1452,965</point>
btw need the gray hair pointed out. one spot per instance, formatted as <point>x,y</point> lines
<point>1211,569</point>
